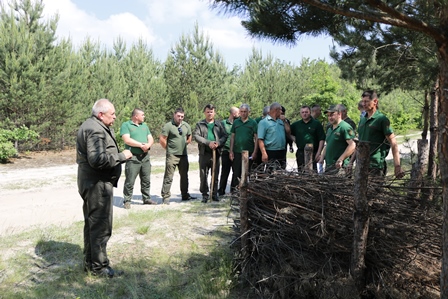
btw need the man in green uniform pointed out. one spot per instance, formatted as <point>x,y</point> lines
<point>175,137</point>
<point>340,144</point>
<point>99,168</point>
<point>375,129</point>
<point>226,162</point>
<point>243,138</point>
<point>305,131</point>
<point>211,136</point>
<point>138,139</point>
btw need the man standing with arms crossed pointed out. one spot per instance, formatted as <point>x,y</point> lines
<point>99,168</point>
<point>211,136</point>
<point>175,137</point>
<point>243,138</point>
<point>375,129</point>
<point>138,139</point>
<point>226,162</point>
<point>340,144</point>
<point>305,131</point>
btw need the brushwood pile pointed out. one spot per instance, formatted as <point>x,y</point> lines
<point>300,238</point>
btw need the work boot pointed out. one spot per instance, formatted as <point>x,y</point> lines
<point>166,201</point>
<point>127,205</point>
<point>204,198</point>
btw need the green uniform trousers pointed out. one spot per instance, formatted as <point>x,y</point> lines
<point>137,165</point>
<point>171,162</point>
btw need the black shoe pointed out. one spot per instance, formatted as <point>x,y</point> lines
<point>204,198</point>
<point>149,202</point>
<point>215,198</point>
<point>107,272</point>
<point>221,193</point>
<point>189,197</point>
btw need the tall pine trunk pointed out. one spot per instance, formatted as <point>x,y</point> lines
<point>443,160</point>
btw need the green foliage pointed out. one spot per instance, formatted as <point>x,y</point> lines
<point>50,87</point>
<point>9,137</point>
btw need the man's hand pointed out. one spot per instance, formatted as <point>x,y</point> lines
<point>264,157</point>
<point>213,145</point>
<point>127,154</point>
<point>398,172</point>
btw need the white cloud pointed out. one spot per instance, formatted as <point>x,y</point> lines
<point>175,11</point>
<point>78,25</point>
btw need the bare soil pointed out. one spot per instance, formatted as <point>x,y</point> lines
<point>39,189</point>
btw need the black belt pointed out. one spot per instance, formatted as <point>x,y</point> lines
<point>140,156</point>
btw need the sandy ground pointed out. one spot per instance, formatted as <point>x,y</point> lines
<point>36,197</point>
<point>41,190</point>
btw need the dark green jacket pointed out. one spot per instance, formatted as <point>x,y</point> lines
<point>97,153</point>
<point>201,132</point>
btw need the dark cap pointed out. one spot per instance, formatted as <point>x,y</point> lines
<point>333,108</point>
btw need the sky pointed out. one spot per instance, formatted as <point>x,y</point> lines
<point>161,23</point>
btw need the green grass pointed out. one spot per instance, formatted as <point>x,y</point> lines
<point>165,253</point>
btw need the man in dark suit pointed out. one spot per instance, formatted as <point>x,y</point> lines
<point>99,168</point>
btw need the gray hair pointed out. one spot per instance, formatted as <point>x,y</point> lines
<point>245,106</point>
<point>102,105</point>
<point>266,110</point>
<point>275,105</point>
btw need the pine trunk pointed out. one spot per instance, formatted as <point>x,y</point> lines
<point>443,160</point>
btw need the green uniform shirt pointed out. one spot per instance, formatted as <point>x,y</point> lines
<point>137,132</point>
<point>336,142</point>
<point>176,141</point>
<point>244,135</point>
<point>374,130</point>
<point>310,132</point>
<point>228,126</point>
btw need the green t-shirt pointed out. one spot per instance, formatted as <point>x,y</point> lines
<point>228,126</point>
<point>136,132</point>
<point>176,141</point>
<point>244,135</point>
<point>336,142</point>
<point>374,130</point>
<point>310,132</point>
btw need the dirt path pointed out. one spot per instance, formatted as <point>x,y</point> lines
<point>33,196</point>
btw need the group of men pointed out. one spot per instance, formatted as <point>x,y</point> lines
<point>99,159</point>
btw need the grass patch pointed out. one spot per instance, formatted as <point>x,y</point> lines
<point>165,253</point>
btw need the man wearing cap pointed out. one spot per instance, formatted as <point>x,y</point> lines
<point>244,137</point>
<point>138,139</point>
<point>305,131</point>
<point>344,117</point>
<point>375,129</point>
<point>226,162</point>
<point>339,139</point>
<point>272,137</point>
<point>175,136</point>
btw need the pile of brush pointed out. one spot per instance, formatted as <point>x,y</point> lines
<point>300,238</point>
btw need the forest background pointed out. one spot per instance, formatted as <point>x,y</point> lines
<point>48,87</point>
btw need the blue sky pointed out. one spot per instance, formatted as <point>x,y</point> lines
<point>160,23</point>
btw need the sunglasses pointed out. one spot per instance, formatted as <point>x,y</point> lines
<point>179,129</point>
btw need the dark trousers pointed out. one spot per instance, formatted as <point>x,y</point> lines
<point>300,159</point>
<point>205,166</point>
<point>277,156</point>
<point>135,166</point>
<point>226,165</point>
<point>98,211</point>
<point>171,162</point>
<point>237,167</point>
